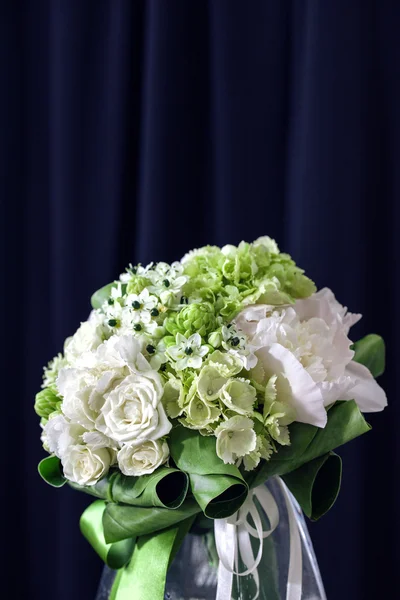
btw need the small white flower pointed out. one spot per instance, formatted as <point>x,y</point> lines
<point>84,465</point>
<point>236,343</point>
<point>159,357</point>
<point>235,438</point>
<point>133,271</point>
<point>133,413</point>
<point>187,352</point>
<point>140,460</point>
<point>167,281</point>
<point>141,303</point>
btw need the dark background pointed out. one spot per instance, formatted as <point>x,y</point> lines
<point>134,131</point>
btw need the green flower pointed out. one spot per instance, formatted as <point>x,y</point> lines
<point>277,416</point>
<point>50,373</point>
<point>210,383</point>
<point>239,263</point>
<point>200,414</point>
<point>235,438</point>
<point>215,338</point>
<point>173,397</point>
<point>263,450</point>
<point>193,318</point>
<point>46,402</point>
<point>226,363</point>
<point>137,284</point>
<point>239,395</point>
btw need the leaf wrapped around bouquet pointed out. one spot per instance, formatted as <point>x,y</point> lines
<point>165,488</point>
<point>308,466</point>
<point>219,489</point>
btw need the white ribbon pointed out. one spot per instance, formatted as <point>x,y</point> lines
<point>232,539</point>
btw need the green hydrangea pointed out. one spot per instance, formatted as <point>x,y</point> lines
<point>50,372</point>
<point>239,264</point>
<point>193,318</point>
<point>46,402</point>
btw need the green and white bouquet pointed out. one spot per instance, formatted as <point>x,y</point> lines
<point>191,384</point>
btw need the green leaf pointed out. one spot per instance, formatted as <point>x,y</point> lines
<point>345,422</point>
<point>51,471</point>
<point>166,488</point>
<point>219,489</point>
<point>121,522</point>
<point>370,352</point>
<point>316,484</point>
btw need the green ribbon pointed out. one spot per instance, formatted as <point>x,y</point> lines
<point>115,555</point>
<point>145,576</point>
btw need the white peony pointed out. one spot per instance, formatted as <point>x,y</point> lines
<point>80,399</point>
<point>143,459</point>
<point>87,338</point>
<point>307,347</point>
<point>85,465</point>
<point>59,434</point>
<point>132,412</point>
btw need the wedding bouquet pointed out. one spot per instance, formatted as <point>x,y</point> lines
<point>188,387</point>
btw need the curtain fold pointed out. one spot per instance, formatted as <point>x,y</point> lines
<point>136,130</point>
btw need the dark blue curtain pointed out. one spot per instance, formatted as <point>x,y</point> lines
<point>135,130</point>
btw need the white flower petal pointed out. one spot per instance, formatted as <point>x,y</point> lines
<point>295,386</point>
<point>369,395</point>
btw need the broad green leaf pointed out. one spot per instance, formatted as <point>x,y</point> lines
<point>166,488</point>
<point>51,471</point>
<point>370,352</point>
<point>121,522</point>
<point>316,484</point>
<point>345,422</point>
<point>219,489</point>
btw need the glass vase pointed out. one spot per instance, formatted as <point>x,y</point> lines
<point>193,574</point>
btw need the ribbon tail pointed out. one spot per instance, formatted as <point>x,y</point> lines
<point>226,543</point>
<point>145,576</point>
<point>115,555</point>
<point>295,573</point>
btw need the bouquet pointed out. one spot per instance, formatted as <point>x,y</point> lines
<point>189,386</point>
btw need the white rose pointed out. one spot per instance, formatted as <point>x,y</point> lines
<point>87,338</point>
<point>84,465</point>
<point>133,413</point>
<point>84,387</point>
<point>306,346</point>
<point>143,459</point>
